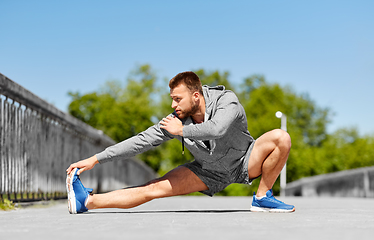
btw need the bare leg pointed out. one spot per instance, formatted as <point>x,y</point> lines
<point>179,181</point>
<point>268,157</point>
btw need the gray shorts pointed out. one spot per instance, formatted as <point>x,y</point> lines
<point>216,182</point>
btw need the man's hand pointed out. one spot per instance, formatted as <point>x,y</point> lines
<point>173,125</point>
<point>83,165</point>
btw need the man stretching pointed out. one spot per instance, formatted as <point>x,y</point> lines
<point>211,123</point>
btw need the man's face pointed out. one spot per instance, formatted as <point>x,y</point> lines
<point>183,101</point>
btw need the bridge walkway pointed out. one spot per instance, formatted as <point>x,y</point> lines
<point>196,218</point>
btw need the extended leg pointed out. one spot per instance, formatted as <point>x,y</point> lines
<point>179,181</point>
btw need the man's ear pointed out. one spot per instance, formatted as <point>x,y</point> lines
<point>196,95</point>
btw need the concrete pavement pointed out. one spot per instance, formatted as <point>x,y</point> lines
<point>197,218</point>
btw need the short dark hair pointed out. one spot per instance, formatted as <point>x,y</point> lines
<point>190,79</point>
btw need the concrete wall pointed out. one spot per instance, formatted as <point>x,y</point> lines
<point>349,183</point>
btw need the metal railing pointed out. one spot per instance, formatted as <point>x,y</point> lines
<point>349,183</point>
<point>38,142</point>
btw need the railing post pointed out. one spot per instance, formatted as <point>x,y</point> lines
<point>366,183</point>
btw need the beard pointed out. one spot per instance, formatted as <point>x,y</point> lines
<point>189,112</point>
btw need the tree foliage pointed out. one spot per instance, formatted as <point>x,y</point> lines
<point>123,109</point>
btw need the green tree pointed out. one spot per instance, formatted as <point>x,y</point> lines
<point>306,122</point>
<point>214,78</point>
<point>262,100</point>
<point>121,111</point>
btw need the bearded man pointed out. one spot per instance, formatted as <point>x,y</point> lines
<point>211,123</point>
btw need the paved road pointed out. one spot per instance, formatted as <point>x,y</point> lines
<point>197,218</point>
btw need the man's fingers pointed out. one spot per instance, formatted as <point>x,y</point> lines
<point>164,121</point>
<point>167,119</point>
<point>80,171</point>
<point>69,169</point>
<point>83,165</point>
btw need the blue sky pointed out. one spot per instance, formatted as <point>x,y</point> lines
<point>323,48</point>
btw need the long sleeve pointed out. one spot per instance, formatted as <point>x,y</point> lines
<point>140,143</point>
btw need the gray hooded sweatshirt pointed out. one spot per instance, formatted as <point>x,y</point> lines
<point>218,144</point>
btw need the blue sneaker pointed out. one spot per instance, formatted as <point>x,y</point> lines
<point>77,193</point>
<point>270,204</point>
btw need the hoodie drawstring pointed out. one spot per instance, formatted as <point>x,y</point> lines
<point>182,145</point>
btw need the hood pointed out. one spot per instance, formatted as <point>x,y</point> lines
<point>211,96</point>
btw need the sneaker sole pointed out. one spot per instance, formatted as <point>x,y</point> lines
<point>71,195</point>
<point>271,210</point>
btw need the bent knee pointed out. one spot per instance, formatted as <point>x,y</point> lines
<point>282,138</point>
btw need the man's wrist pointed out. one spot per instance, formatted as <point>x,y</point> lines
<point>95,160</point>
<point>181,131</point>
